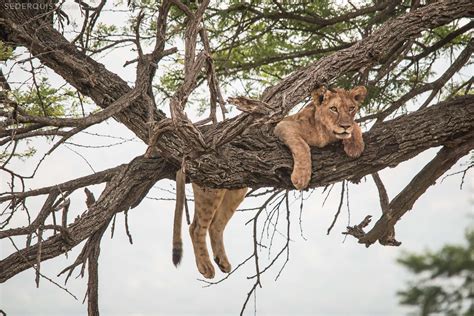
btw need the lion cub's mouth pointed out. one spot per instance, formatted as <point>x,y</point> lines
<point>342,135</point>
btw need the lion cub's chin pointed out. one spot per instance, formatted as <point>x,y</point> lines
<point>344,135</point>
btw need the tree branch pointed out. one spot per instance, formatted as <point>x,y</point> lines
<point>127,188</point>
<point>405,200</point>
<point>104,87</point>
<point>260,160</point>
<point>367,52</point>
<point>255,158</point>
<point>96,178</point>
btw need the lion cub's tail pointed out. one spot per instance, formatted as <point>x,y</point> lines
<point>178,217</point>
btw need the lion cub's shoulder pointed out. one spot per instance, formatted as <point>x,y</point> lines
<point>306,114</point>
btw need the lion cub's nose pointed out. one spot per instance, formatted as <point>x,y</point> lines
<point>345,125</point>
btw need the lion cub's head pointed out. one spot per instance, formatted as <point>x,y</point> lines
<point>336,108</point>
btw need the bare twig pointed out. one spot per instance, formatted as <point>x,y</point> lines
<point>338,208</point>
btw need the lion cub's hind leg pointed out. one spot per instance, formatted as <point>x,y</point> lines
<point>206,202</point>
<point>230,203</point>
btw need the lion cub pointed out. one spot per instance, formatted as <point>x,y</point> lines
<point>328,118</point>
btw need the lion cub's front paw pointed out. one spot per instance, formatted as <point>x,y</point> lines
<point>300,178</point>
<point>352,148</point>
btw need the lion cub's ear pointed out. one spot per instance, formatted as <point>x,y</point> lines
<point>318,95</point>
<point>359,93</point>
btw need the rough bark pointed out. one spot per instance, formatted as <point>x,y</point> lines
<point>374,49</point>
<point>258,160</point>
<point>237,155</point>
<point>89,77</point>
<point>124,191</point>
<point>405,200</point>
<point>104,87</point>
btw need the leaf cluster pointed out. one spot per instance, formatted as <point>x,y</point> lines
<point>444,280</point>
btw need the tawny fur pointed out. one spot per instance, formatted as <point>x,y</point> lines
<point>328,118</point>
<point>213,209</point>
<point>178,217</point>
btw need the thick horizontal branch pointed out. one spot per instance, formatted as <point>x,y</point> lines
<point>258,160</point>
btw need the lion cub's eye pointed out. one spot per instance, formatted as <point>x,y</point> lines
<point>352,109</point>
<point>333,109</point>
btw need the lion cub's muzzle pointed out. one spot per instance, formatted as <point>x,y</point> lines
<point>344,131</point>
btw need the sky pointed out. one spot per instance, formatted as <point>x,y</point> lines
<point>326,275</point>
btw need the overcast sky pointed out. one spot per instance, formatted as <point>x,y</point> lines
<point>325,276</point>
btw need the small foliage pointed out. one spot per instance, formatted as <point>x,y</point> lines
<point>444,279</point>
<point>42,100</point>
<point>6,51</point>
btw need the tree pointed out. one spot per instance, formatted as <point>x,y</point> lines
<point>278,53</point>
<point>444,279</point>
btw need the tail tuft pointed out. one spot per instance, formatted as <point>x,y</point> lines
<point>177,255</point>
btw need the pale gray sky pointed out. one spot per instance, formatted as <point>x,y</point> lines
<point>323,277</point>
